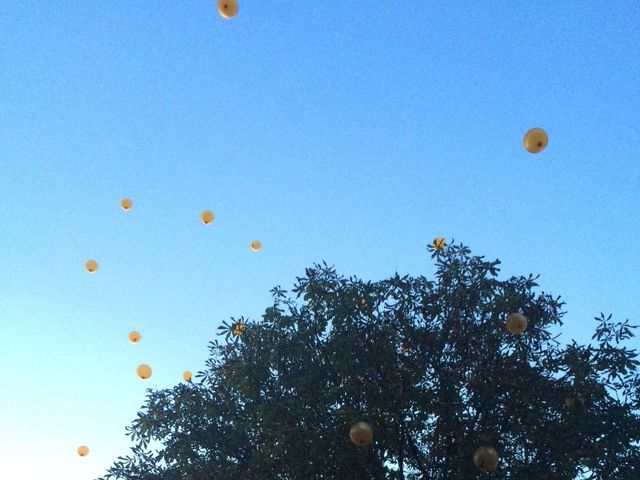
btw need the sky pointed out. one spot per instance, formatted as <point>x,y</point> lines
<point>351,132</point>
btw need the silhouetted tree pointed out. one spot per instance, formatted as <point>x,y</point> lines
<point>427,363</point>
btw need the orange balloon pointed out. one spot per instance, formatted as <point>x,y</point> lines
<point>228,8</point>
<point>187,376</point>
<point>439,243</point>
<point>486,459</point>
<point>535,140</point>
<point>126,204</point>
<point>207,217</point>
<point>144,371</point>
<point>83,450</point>
<point>91,266</point>
<point>256,245</point>
<point>238,329</point>
<point>361,434</point>
<point>516,323</point>
<point>135,337</point>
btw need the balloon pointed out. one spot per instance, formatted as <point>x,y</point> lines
<point>187,376</point>
<point>91,266</point>
<point>228,8</point>
<point>516,323</point>
<point>83,450</point>
<point>535,140</point>
<point>207,217</point>
<point>439,243</point>
<point>126,204</point>
<point>256,245</point>
<point>361,434</point>
<point>238,329</point>
<point>486,459</point>
<point>134,337</point>
<point>144,371</point>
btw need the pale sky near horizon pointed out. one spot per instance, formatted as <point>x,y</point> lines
<point>353,133</point>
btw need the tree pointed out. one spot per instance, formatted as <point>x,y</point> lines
<point>427,363</point>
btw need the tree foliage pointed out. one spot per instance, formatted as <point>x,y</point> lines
<point>428,363</point>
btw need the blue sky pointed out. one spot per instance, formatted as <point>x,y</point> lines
<point>352,133</point>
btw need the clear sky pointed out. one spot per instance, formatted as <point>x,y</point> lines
<point>352,132</point>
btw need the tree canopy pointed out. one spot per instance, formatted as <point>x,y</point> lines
<point>427,363</point>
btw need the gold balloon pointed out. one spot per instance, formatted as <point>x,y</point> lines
<point>83,450</point>
<point>186,376</point>
<point>516,323</point>
<point>535,140</point>
<point>126,204</point>
<point>361,434</point>
<point>91,266</point>
<point>144,371</point>
<point>238,329</point>
<point>207,217</point>
<point>228,8</point>
<point>439,243</point>
<point>256,245</point>
<point>486,459</point>
<point>134,337</point>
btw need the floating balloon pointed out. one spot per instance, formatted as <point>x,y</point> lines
<point>207,217</point>
<point>238,329</point>
<point>361,434</point>
<point>486,459</point>
<point>134,337</point>
<point>186,376</point>
<point>126,204</point>
<point>256,245</point>
<point>516,323</point>
<point>228,8</point>
<point>535,140</point>
<point>144,371</point>
<point>83,450</point>
<point>439,243</point>
<point>91,266</point>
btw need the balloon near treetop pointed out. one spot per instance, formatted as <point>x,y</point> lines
<point>516,323</point>
<point>144,371</point>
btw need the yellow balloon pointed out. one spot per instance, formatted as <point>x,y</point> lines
<point>238,329</point>
<point>135,337</point>
<point>535,140</point>
<point>486,459</point>
<point>516,323</point>
<point>228,8</point>
<point>361,434</point>
<point>207,217</point>
<point>187,376</point>
<point>83,450</point>
<point>126,204</point>
<point>91,266</point>
<point>144,371</point>
<point>256,245</point>
<point>439,243</point>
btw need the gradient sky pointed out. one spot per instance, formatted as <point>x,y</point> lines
<point>351,132</point>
